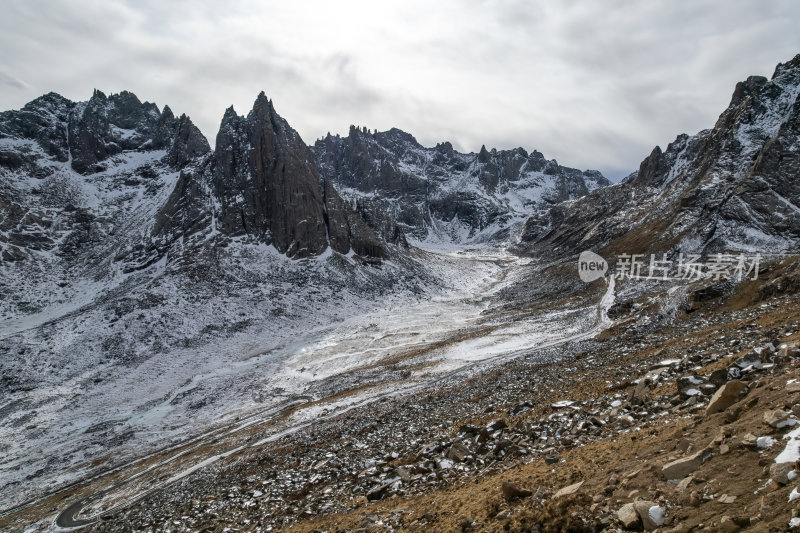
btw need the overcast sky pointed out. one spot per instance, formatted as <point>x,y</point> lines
<point>594,84</point>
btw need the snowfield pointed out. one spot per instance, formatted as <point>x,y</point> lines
<point>81,417</point>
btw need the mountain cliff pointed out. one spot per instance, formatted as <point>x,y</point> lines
<point>731,188</point>
<point>441,194</point>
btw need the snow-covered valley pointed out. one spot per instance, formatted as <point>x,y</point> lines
<point>215,394</point>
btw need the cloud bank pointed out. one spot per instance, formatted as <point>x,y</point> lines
<point>593,84</point>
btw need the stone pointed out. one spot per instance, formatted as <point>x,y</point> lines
<point>726,396</point>
<point>380,491</point>
<point>727,525</point>
<point>726,499</point>
<point>457,452</point>
<point>639,393</point>
<point>688,386</point>
<point>512,491</point>
<point>750,441</point>
<point>404,473</point>
<point>466,523</point>
<point>684,484</point>
<point>681,468</point>
<point>750,359</point>
<point>793,387</point>
<point>777,418</point>
<point>780,472</point>
<point>718,377</point>
<point>628,516</point>
<point>570,489</point>
<point>650,513</point>
<point>496,425</point>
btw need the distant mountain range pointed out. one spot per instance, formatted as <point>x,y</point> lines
<point>440,195</point>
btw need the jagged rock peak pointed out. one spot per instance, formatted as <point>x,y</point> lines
<point>88,133</point>
<point>269,188</point>
<point>395,182</point>
<point>730,188</point>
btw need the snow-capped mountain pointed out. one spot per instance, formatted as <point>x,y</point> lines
<point>440,195</point>
<point>735,187</point>
<point>149,285</point>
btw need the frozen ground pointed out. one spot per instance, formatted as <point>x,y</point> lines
<point>353,347</point>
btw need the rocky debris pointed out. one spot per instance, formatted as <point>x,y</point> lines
<point>726,396</point>
<point>370,449</point>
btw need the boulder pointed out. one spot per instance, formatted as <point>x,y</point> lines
<point>380,491</point>
<point>727,525</point>
<point>628,517</point>
<point>681,468</point>
<point>726,396</point>
<point>689,386</point>
<point>496,425</point>
<point>780,472</point>
<point>777,418</point>
<point>570,489</point>
<point>457,452</point>
<point>512,491</point>
<point>718,377</point>
<point>651,514</point>
<point>639,393</point>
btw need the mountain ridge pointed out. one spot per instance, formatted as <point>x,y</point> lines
<point>441,193</point>
<point>729,188</point>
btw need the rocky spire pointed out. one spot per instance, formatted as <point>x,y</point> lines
<point>269,188</point>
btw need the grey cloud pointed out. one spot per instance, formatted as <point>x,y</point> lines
<point>590,84</point>
<point>11,81</point>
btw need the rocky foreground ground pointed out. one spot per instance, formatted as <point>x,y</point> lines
<point>683,423</point>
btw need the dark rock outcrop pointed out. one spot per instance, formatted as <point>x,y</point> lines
<point>88,133</point>
<point>261,182</point>
<point>403,188</point>
<point>734,187</point>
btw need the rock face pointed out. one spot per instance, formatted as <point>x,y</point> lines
<point>439,193</point>
<point>85,134</point>
<point>729,188</point>
<point>74,172</point>
<point>270,188</point>
<point>261,182</point>
<point>100,189</point>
